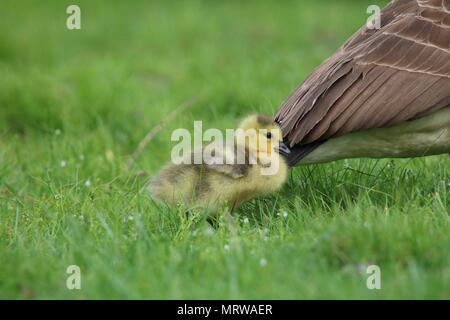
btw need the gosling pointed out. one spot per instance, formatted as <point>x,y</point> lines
<point>256,168</point>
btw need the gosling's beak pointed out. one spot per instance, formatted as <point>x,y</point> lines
<point>283,149</point>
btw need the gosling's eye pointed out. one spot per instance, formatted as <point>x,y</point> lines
<point>269,135</point>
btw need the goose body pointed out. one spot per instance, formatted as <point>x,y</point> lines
<point>384,93</point>
<point>426,136</point>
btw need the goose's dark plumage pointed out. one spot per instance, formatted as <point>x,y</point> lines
<point>377,79</point>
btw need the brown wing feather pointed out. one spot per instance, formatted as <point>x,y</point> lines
<point>378,78</point>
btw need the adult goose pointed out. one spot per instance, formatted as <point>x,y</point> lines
<point>384,93</point>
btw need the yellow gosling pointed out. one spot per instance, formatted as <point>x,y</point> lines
<point>212,185</point>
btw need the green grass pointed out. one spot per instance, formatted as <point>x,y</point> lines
<point>103,87</point>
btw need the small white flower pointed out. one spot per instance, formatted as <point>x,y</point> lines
<point>209,231</point>
<point>245,220</point>
<point>57,132</point>
<point>346,164</point>
<point>226,247</point>
<point>82,217</point>
<point>81,157</point>
<point>448,184</point>
<point>284,214</point>
<point>130,217</point>
<point>63,163</point>
<point>263,262</point>
<point>88,183</point>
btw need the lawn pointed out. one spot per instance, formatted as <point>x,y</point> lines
<point>74,104</point>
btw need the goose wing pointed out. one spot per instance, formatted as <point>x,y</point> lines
<point>378,78</point>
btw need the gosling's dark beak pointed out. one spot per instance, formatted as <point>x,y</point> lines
<point>283,149</point>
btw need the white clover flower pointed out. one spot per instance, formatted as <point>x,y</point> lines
<point>63,163</point>
<point>57,132</point>
<point>226,247</point>
<point>285,214</point>
<point>88,183</point>
<point>263,262</point>
<point>245,220</point>
<point>81,157</point>
<point>130,217</point>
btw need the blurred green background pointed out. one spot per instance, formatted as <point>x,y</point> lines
<point>74,104</point>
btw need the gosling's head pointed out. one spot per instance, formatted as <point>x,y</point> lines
<point>261,135</point>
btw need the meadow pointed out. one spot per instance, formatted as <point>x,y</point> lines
<point>74,105</point>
